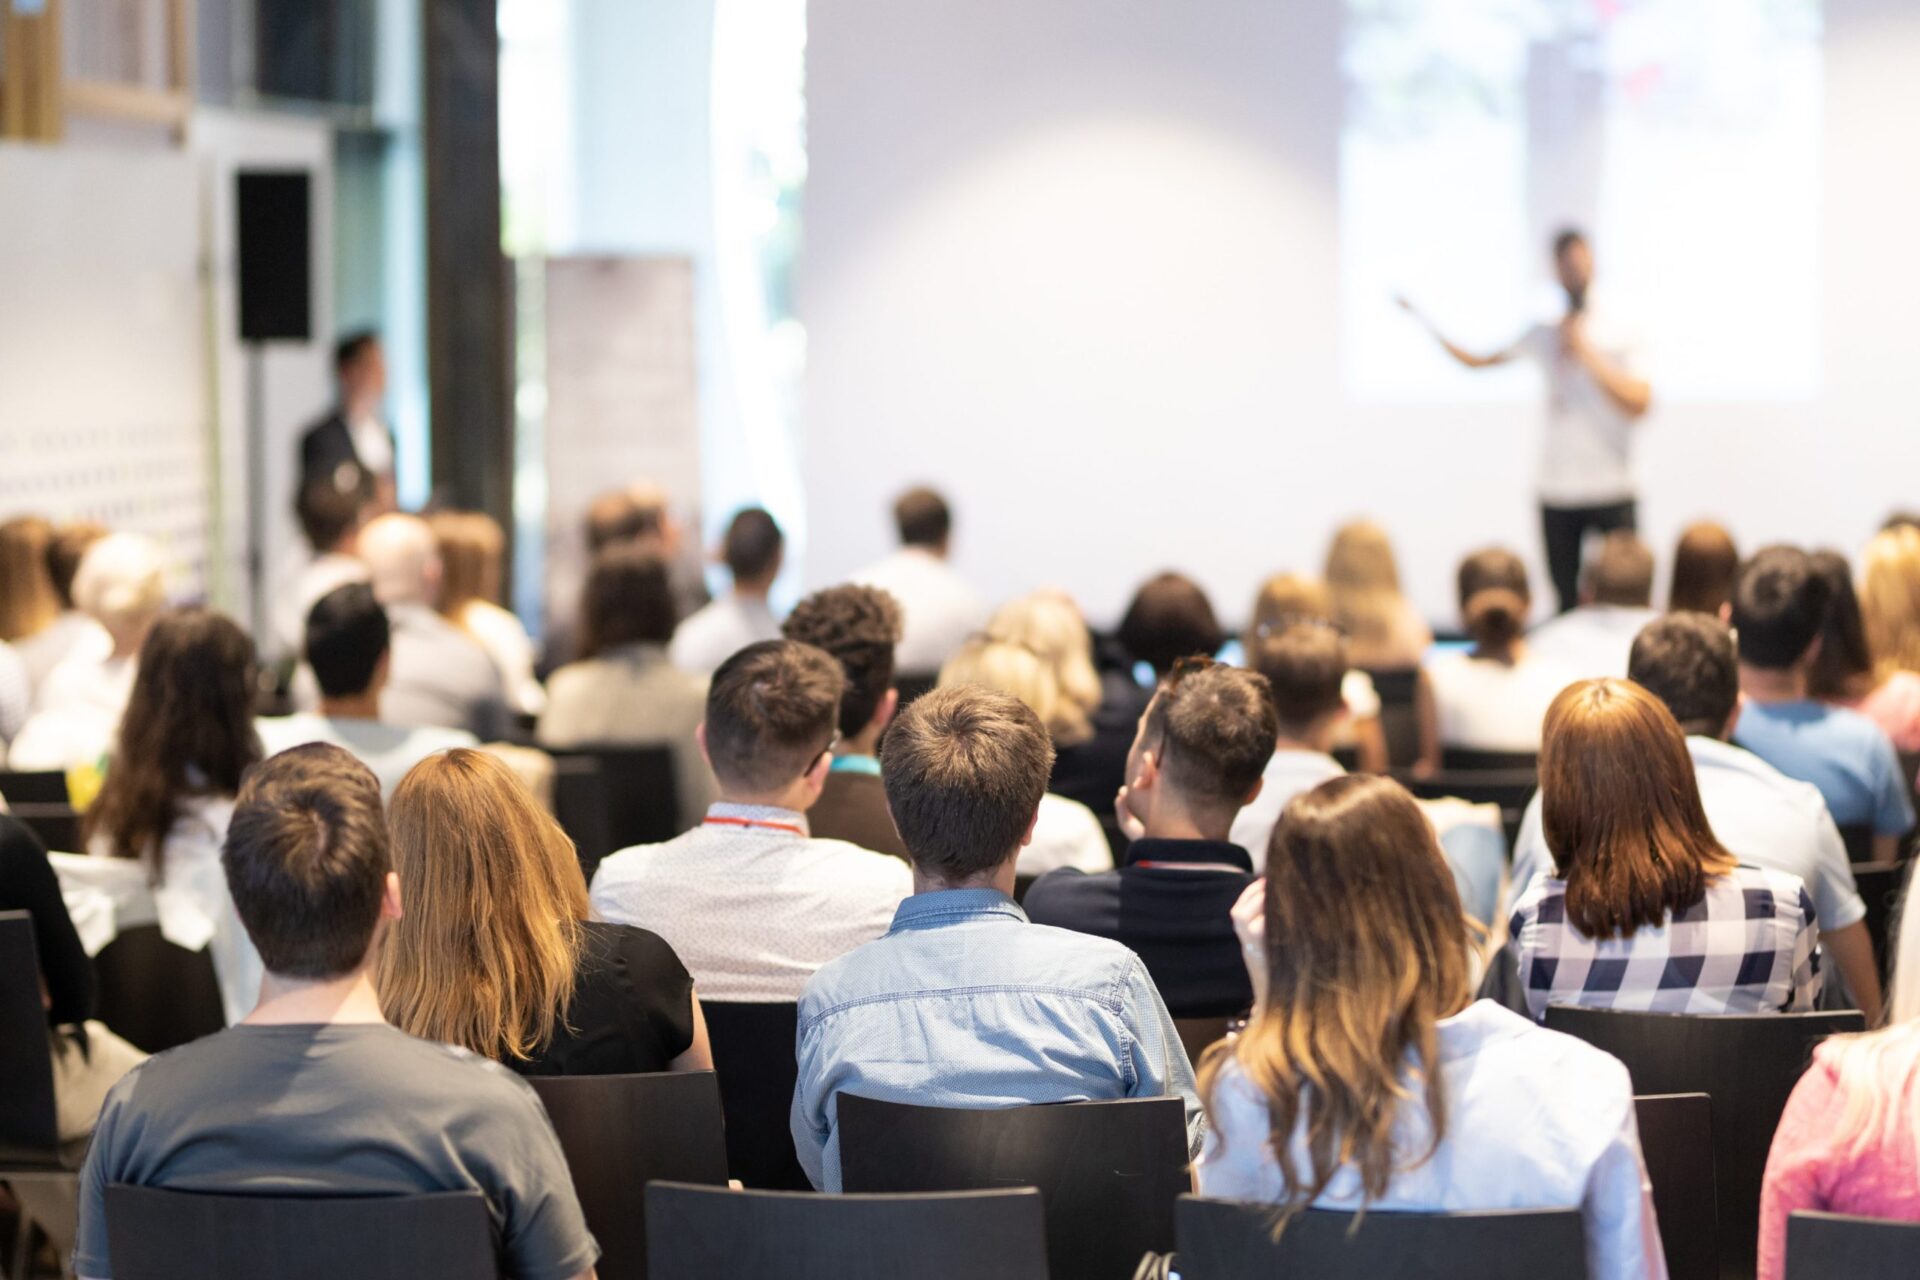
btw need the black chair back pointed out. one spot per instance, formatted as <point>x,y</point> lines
<point>22,786</point>
<point>1226,1240</point>
<point>1198,1034</point>
<point>1858,838</point>
<point>154,994</point>
<point>1398,688</point>
<point>178,1235</point>
<point>642,805</point>
<point>57,826</point>
<point>1473,760</point>
<point>1022,883</point>
<point>700,1233</point>
<point>914,684</point>
<point>753,1057</point>
<point>1676,1140</point>
<point>1108,1172</point>
<point>1883,887</point>
<point>1747,1064</point>
<point>1832,1246</point>
<point>620,1133</point>
<point>29,1133</point>
<point>580,807</point>
<point>1511,789</point>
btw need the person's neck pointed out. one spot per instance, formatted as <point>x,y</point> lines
<point>937,553</point>
<point>1760,684</point>
<point>356,706</point>
<point>864,743</point>
<point>348,999</point>
<point>796,797</point>
<point>1002,878</point>
<point>1317,738</point>
<point>1510,653</point>
<point>752,592</point>
<point>1172,818</point>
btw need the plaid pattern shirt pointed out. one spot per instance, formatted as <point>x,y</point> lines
<point>1750,945</point>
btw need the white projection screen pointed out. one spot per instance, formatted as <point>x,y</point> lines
<point>1120,276</point>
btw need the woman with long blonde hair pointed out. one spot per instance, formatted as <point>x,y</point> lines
<point>1363,581</point>
<point>1890,598</point>
<point>1369,1078</point>
<point>495,952</point>
<point>473,550</point>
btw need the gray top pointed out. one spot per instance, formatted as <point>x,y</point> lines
<point>442,677</point>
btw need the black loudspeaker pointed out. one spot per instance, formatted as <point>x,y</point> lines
<point>276,260</point>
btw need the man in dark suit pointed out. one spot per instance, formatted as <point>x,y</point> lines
<point>351,446</point>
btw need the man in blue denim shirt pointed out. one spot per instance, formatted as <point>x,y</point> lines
<point>964,1003</point>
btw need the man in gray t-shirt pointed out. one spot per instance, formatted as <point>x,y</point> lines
<point>314,1093</point>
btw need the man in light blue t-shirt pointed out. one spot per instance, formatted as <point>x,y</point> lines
<point>1779,607</point>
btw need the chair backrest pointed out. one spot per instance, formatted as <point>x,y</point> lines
<point>1882,886</point>
<point>913,685</point>
<point>703,1233</point>
<point>1474,760</point>
<point>177,1235</point>
<point>642,806</point>
<point>1826,1246</point>
<point>1198,1034</point>
<point>1227,1240</point>
<point>1747,1064</point>
<point>1398,688</point>
<point>1676,1141</point>
<point>1511,789</point>
<point>620,1133</point>
<point>22,786</point>
<point>154,993</point>
<point>753,1057</point>
<point>29,1132</point>
<point>580,807</point>
<point>1108,1172</point>
<point>57,826</point>
<point>1858,838</point>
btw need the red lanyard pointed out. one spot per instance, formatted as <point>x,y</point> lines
<point>787,827</point>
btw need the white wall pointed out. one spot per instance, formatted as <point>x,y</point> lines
<point>1076,262</point>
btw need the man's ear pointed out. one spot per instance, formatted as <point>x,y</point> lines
<point>1147,775</point>
<point>817,774</point>
<point>1733,721</point>
<point>390,899</point>
<point>1032,822</point>
<point>1259,785</point>
<point>884,713</point>
<point>700,739</point>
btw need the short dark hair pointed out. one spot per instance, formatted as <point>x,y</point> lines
<point>1687,660</point>
<point>1779,606</point>
<point>1844,669</point>
<point>1567,237</point>
<point>1170,618</point>
<point>1704,564</point>
<point>327,512</point>
<point>347,635</point>
<point>306,860</point>
<point>859,626</point>
<point>65,550</point>
<point>965,769</point>
<point>1214,727</point>
<point>628,600</point>
<point>618,516</point>
<point>351,345</point>
<point>771,710</point>
<point>1621,571</point>
<point>753,545</point>
<point>1304,665</point>
<point>922,517</point>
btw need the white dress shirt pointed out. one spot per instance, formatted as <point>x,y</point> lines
<point>387,749</point>
<point>718,630</point>
<point>1290,772</point>
<point>1586,452</point>
<point>1486,705</point>
<point>1591,641</point>
<point>939,610</point>
<point>1066,834</point>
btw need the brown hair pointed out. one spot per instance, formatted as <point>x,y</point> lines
<point>1305,665</point>
<point>624,515</point>
<point>28,601</point>
<point>472,549</point>
<point>1621,811</point>
<point>1284,599</point>
<point>1213,727</point>
<point>628,600</point>
<point>922,518</point>
<point>1170,618</point>
<point>1363,582</point>
<point>486,955</point>
<point>965,768</point>
<point>1621,571</point>
<point>1704,565</point>
<point>1366,950</point>
<point>65,550</point>
<point>1844,667</point>
<point>771,710</point>
<point>859,626</point>
<point>1494,597</point>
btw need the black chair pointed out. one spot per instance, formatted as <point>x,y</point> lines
<point>1472,760</point>
<point>178,1235</point>
<point>620,1133</point>
<point>1226,1240</point>
<point>1108,1172</point>
<point>1858,838</point>
<point>1512,790</point>
<point>1747,1064</point>
<point>1676,1140</point>
<point>580,807</point>
<point>1398,688</point>
<point>21,786</point>
<point>912,685</point>
<point>30,1150</point>
<point>1823,1246</point>
<point>642,804</point>
<point>1883,886</point>
<point>57,826</point>
<point>700,1233</point>
<point>1022,883</point>
<point>1197,1034</point>
<point>753,1057</point>
<point>156,994</point>
<point>1347,758</point>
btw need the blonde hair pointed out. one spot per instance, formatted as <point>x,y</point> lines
<point>1890,599</point>
<point>472,548</point>
<point>1285,598</point>
<point>1012,669</point>
<point>1051,625</point>
<point>485,955</point>
<point>121,583</point>
<point>1363,586</point>
<point>28,601</point>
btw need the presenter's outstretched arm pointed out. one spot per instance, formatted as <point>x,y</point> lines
<point>1468,358</point>
<point>1633,395</point>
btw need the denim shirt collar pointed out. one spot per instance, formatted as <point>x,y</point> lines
<point>954,906</point>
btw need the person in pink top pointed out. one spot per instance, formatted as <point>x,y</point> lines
<point>1847,672</point>
<point>1849,1141</point>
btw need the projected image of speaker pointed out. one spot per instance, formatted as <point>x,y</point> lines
<point>274,219</point>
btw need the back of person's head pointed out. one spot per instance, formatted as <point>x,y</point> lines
<point>347,636</point>
<point>122,584</point>
<point>472,548</point>
<point>1844,666</point>
<point>28,601</point>
<point>1348,1008</point>
<point>923,519</point>
<point>328,514</point>
<point>771,712</point>
<point>1051,624</point>
<point>402,561</point>
<point>65,550</point>
<point>1363,582</point>
<point>964,769</point>
<point>625,515</point>
<point>1620,809</point>
<point>753,548</point>
<point>1170,618</point>
<point>1780,604</point>
<point>1212,727</point>
<point>1704,563</point>
<point>1494,597</point>
<point>187,730</point>
<point>1284,599</point>
<point>1305,665</point>
<point>1017,670</point>
<point>1890,598</point>
<point>628,600</point>
<point>306,861</point>
<point>1687,660</point>
<point>1620,571</point>
<point>859,627</point>
<point>1904,519</point>
<point>470,843</point>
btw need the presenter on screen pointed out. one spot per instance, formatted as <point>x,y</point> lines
<point>1595,394</point>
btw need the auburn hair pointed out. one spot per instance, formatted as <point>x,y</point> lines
<point>28,600</point>
<point>1621,809</point>
<point>486,953</point>
<point>472,549</point>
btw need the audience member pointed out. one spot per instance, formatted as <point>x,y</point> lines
<point>330,520</point>
<point>314,1088</point>
<point>1844,672</point>
<point>473,550</point>
<point>71,633</point>
<point>858,627</point>
<point>1383,629</point>
<point>16,696</point>
<point>1616,600</point>
<point>349,650</point>
<point>623,690</point>
<point>1779,609</point>
<point>1704,564</point>
<point>1890,599</point>
<point>1305,666</point>
<point>1197,759</point>
<point>1067,833</point>
<point>1492,697</point>
<point>351,448</point>
<point>28,603</point>
<point>1645,909</point>
<point>1400,1092</point>
<point>964,1003</point>
<point>751,901</point>
<point>938,608</point>
<point>543,988</point>
<point>1286,599</point>
<point>1170,618</point>
<point>754,552</point>
<point>1089,747</point>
